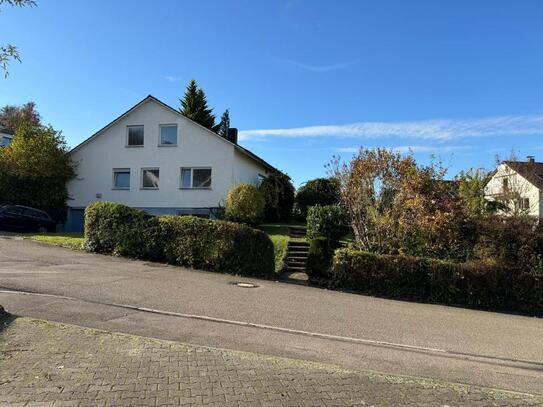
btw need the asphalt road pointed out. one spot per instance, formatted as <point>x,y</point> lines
<point>453,344</point>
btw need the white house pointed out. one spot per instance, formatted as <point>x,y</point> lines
<point>6,136</point>
<point>519,185</point>
<point>155,159</point>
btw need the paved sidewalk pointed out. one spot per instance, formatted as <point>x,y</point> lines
<point>46,363</point>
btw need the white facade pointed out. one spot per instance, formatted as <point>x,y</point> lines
<point>506,181</point>
<point>197,147</point>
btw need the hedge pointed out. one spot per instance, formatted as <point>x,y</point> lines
<point>216,246</point>
<point>113,228</point>
<point>327,221</point>
<point>180,240</point>
<point>472,284</point>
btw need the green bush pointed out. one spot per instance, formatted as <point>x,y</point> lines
<point>278,193</point>
<point>216,246</point>
<point>244,204</point>
<point>113,228</point>
<point>318,191</point>
<point>326,221</point>
<point>187,241</point>
<point>474,284</point>
<point>319,258</point>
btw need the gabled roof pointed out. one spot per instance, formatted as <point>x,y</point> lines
<point>532,171</point>
<point>152,98</point>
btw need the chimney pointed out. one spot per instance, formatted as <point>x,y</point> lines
<point>531,159</point>
<point>232,135</point>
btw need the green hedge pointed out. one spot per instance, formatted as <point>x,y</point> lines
<point>216,246</point>
<point>473,284</point>
<point>113,228</point>
<point>320,256</point>
<point>181,240</point>
<point>327,221</point>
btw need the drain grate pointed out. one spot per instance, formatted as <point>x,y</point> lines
<point>244,284</point>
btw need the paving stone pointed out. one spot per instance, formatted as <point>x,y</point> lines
<point>49,364</point>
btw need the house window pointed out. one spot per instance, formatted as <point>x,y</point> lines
<point>168,135</point>
<point>6,141</point>
<point>121,178</point>
<point>505,184</point>
<point>134,137</point>
<point>149,178</point>
<point>195,177</point>
<point>525,204</point>
<point>260,179</point>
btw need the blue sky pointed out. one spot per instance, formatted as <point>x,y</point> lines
<point>304,80</point>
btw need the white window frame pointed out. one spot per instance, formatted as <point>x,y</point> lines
<point>128,132</point>
<point>116,170</point>
<point>149,169</point>
<point>192,177</point>
<point>160,126</point>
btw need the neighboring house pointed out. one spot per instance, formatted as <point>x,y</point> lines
<point>155,159</point>
<point>519,186</point>
<point>6,136</point>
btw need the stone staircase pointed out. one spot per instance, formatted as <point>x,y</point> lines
<point>297,252</point>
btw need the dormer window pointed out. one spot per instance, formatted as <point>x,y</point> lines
<point>134,136</point>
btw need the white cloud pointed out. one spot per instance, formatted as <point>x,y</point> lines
<point>440,130</point>
<point>319,68</point>
<point>172,79</point>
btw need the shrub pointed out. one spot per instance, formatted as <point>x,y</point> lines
<point>244,204</point>
<point>475,284</point>
<point>113,228</point>
<point>326,221</point>
<point>181,240</point>
<point>515,242</point>
<point>278,193</point>
<point>319,258</point>
<point>318,191</point>
<point>216,246</point>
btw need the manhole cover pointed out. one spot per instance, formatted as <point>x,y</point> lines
<point>245,285</point>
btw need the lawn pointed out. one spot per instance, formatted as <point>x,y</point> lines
<point>64,239</point>
<point>279,236</point>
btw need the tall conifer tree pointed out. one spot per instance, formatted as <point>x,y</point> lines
<point>194,106</point>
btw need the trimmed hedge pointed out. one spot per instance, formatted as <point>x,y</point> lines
<point>327,221</point>
<point>186,241</point>
<point>117,229</point>
<point>216,246</point>
<point>319,258</point>
<point>473,284</point>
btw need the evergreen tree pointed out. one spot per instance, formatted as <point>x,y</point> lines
<point>194,106</point>
<point>224,125</point>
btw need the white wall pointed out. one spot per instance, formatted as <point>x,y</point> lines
<point>196,147</point>
<point>517,183</point>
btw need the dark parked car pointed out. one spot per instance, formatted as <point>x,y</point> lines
<point>17,218</point>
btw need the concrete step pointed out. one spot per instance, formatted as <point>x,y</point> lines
<point>295,262</point>
<point>295,268</point>
<point>296,244</point>
<point>296,253</point>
